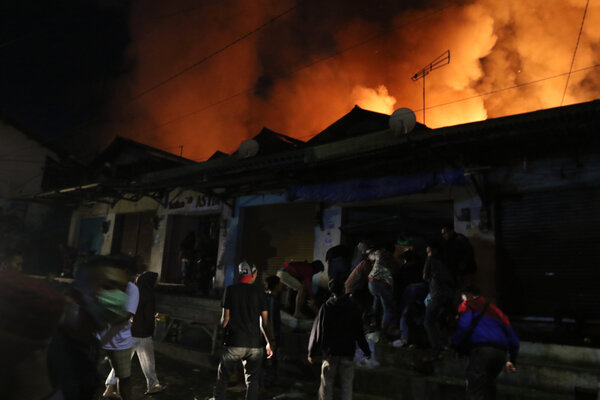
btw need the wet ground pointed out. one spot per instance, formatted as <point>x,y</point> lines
<point>186,381</point>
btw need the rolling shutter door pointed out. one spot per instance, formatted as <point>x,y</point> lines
<point>278,233</point>
<point>549,249</point>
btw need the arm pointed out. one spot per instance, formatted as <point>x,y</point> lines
<point>225,317</point>
<point>314,342</point>
<point>360,336</point>
<point>266,329</point>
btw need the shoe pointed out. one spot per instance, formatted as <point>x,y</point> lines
<point>399,343</point>
<point>156,389</point>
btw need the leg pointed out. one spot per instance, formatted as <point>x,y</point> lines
<point>328,369</point>
<point>120,361</point>
<point>485,363</point>
<point>346,377</point>
<point>144,347</point>
<point>300,297</point>
<point>433,313</point>
<point>252,363</point>
<point>231,356</point>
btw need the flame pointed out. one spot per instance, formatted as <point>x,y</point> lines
<point>377,100</point>
<point>507,57</point>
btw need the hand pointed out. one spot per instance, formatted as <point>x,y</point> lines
<point>310,360</point>
<point>510,367</point>
<point>269,351</point>
<point>311,304</point>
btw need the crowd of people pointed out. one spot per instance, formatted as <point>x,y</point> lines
<point>109,310</point>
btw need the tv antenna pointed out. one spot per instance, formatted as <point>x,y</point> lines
<point>439,62</point>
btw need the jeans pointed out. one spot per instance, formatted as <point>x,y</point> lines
<point>382,294</point>
<point>485,363</point>
<point>330,366</point>
<point>435,311</point>
<point>144,348</point>
<point>413,294</point>
<point>251,359</point>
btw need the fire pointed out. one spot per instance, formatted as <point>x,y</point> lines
<point>377,99</point>
<point>307,69</point>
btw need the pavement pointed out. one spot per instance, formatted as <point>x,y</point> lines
<point>184,381</point>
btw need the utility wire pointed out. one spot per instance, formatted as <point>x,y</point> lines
<point>214,53</point>
<point>204,59</point>
<point>575,51</point>
<point>296,70</point>
<point>510,87</point>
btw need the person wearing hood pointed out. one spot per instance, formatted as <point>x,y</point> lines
<point>142,331</point>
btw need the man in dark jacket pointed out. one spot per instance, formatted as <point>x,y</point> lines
<point>488,338</point>
<point>336,331</point>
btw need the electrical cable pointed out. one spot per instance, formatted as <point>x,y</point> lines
<point>575,51</point>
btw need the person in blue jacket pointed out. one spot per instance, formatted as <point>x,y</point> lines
<point>488,339</point>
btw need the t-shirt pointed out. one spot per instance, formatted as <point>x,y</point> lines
<point>245,303</point>
<point>303,271</point>
<point>441,282</point>
<point>118,337</point>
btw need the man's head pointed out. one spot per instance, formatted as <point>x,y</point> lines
<point>317,266</point>
<point>448,232</point>
<point>273,284</point>
<point>470,292</point>
<point>433,249</point>
<point>247,272</point>
<point>12,261</point>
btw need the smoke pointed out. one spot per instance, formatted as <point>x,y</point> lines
<point>313,61</point>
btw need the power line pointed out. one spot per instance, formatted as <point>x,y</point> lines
<point>294,71</point>
<point>575,51</point>
<point>214,53</point>
<point>511,87</point>
<point>241,38</point>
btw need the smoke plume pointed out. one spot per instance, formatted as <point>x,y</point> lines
<point>297,66</point>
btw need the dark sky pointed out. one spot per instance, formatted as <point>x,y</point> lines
<point>58,59</point>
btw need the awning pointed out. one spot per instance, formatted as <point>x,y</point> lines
<point>377,188</point>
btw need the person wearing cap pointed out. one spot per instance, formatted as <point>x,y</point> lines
<point>244,310</point>
<point>336,331</point>
<point>485,334</point>
<point>31,311</point>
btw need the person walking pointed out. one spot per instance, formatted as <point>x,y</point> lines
<point>485,334</point>
<point>335,333</point>
<point>441,291</point>
<point>244,310</point>
<point>142,330</point>
<point>118,342</point>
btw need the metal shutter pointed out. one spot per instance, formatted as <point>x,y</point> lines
<point>549,253</point>
<point>274,234</point>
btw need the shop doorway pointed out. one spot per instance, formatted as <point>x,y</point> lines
<point>193,241</point>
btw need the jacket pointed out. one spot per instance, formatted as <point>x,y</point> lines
<point>493,329</point>
<point>337,329</point>
<point>143,321</point>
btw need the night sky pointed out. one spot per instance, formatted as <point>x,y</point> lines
<point>58,62</point>
<point>207,75</point>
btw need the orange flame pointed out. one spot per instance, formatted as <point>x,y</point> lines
<point>508,57</point>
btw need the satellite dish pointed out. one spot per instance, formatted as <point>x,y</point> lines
<point>248,148</point>
<point>403,120</point>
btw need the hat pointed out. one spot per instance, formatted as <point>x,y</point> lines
<point>30,308</point>
<point>246,270</point>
